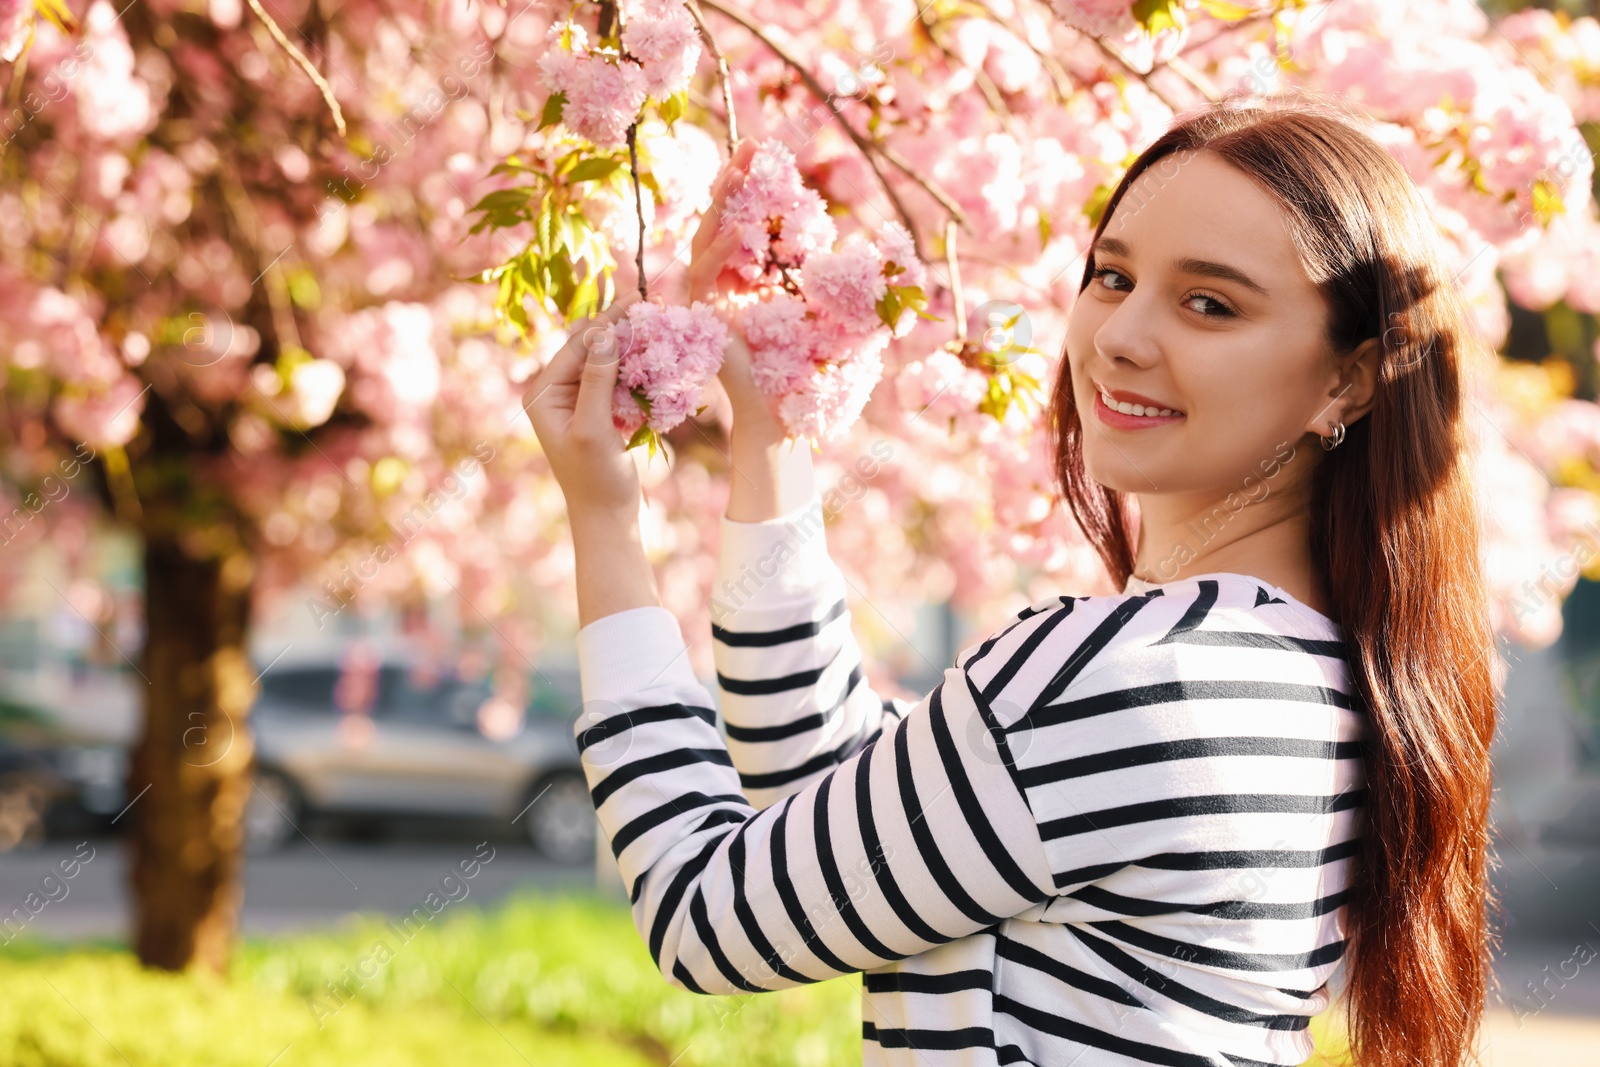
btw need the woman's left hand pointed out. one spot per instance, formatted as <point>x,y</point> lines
<point>569,403</point>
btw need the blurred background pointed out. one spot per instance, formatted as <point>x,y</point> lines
<point>287,772</point>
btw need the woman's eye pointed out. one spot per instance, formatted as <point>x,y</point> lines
<point>1213,306</point>
<point>1209,306</point>
<point>1113,280</point>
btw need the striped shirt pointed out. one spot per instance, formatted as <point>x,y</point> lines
<point>1119,831</point>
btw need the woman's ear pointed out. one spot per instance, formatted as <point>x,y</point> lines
<point>1352,388</point>
<point>1360,367</point>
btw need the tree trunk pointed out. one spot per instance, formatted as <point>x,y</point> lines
<point>194,756</point>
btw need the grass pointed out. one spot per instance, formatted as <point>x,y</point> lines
<point>547,981</point>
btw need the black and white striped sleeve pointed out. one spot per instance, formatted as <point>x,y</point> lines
<point>794,701</point>
<point>921,837</point>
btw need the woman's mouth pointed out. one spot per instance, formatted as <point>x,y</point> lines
<point>1129,415</point>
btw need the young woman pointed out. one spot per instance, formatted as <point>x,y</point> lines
<point>1137,829</point>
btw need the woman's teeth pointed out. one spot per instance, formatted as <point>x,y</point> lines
<point>1133,409</point>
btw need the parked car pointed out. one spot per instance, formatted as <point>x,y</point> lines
<point>52,777</point>
<point>397,743</point>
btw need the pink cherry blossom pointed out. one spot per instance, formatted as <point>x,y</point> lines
<point>846,285</point>
<point>603,99</point>
<point>780,219</point>
<point>663,38</point>
<point>668,355</point>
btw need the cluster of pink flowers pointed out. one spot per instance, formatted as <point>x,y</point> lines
<point>816,342</point>
<point>942,394</point>
<point>665,357</point>
<point>779,218</point>
<point>604,88</point>
<point>1571,53</point>
<point>661,36</point>
<point>817,373</point>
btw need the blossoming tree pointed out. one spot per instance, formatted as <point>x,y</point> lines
<point>275,271</point>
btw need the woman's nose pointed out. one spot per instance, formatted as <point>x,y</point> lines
<point>1131,333</point>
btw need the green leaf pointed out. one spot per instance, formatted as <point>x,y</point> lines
<point>513,165</point>
<point>1044,230</point>
<point>518,316</point>
<point>672,108</point>
<point>546,237</point>
<point>59,14</point>
<point>1222,9</point>
<point>642,436</point>
<point>593,169</point>
<point>567,162</point>
<point>1547,202</point>
<point>532,274</point>
<point>585,299</point>
<point>890,306</point>
<point>1095,206</point>
<point>643,401</point>
<point>1157,15</point>
<point>569,231</point>
<point>505,207</point>
<point>950,9</point>
<point>561,280</point>
<point>552,110</point>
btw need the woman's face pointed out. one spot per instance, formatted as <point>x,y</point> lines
<point>1199,306</point>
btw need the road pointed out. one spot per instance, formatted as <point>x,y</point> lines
<point>1550,897</point>
<point>310,884</point>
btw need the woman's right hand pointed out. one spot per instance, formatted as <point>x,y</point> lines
<point>710,281</point>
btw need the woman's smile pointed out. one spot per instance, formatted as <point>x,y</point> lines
<point>1132,412</point>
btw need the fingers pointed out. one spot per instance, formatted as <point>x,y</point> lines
<point>736,169</point>
<point>566,366</point>
<point>710,264</point>
<point>598,377</point>
<point>720,188</point>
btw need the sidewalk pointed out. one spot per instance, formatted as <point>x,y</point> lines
<point>1542,1040</point>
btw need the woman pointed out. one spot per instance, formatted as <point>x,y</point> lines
<point>1142,828</point>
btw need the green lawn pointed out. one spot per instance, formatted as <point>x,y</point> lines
<point>546,981</point>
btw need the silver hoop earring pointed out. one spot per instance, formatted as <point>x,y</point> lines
<point>1335,439</point>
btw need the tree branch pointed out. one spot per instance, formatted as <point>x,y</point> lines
<point>305,64</point>
<point>1058,74</point>
<point>958,301</point>
<point>869,148</point>
<point>1112,52</point>
<point>723,73</point>
<point>638,203</point>
<point>237,200</point>
<point>986,85</point>
<point>1202,84</point>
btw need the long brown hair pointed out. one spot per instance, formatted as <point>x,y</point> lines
<point>1395,538</point>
